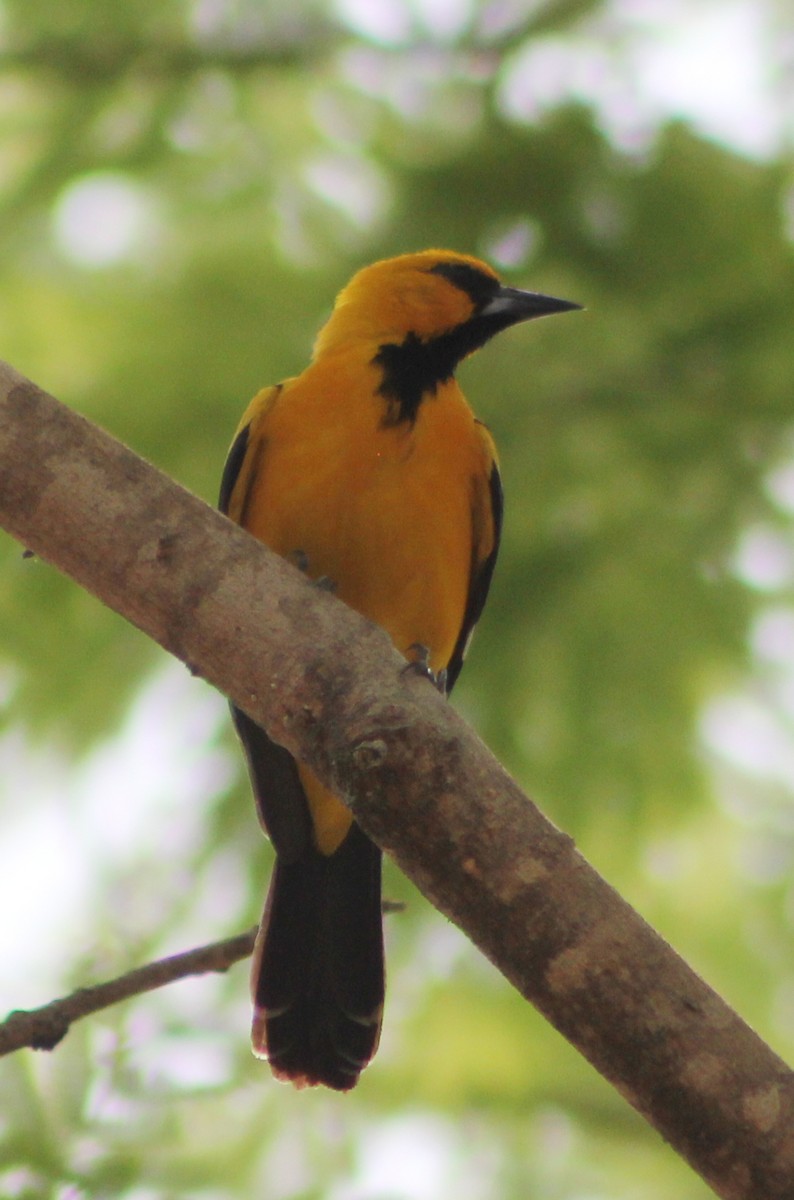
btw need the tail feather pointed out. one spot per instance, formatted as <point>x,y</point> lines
<point>318,977</point>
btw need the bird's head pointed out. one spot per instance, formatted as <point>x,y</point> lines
<point>434,296</point>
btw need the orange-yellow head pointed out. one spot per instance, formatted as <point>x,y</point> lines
<point>451,300</point>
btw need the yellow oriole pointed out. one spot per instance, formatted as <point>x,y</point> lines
<point>371,470</point>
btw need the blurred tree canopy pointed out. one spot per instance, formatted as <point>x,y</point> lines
<point>183,188</point>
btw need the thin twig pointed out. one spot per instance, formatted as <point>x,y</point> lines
<point>43,1028</point>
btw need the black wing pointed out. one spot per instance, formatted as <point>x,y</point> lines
<point>480,582</point>
<point>280,799</point>
<point>234,464</point>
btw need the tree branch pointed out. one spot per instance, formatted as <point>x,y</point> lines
<point>328,685</point>
<point>43,1028</point>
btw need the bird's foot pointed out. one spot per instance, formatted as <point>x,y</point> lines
<point>300,559</point>
<point>419,664</point>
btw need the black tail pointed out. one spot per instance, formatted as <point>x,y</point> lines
<point>317,977</point>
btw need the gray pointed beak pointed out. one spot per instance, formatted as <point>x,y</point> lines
<point>511,305</point>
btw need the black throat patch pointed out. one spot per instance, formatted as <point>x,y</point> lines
<point>413,369</point>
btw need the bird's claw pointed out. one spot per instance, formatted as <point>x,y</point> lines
<point>300,559</point>
<point>420,665</point>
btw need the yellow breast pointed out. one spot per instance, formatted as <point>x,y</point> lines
<point>387,513</point>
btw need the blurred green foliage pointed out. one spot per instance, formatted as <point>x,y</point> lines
<point>258,153</point>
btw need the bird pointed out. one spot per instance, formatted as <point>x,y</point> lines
<point>369,471</point>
